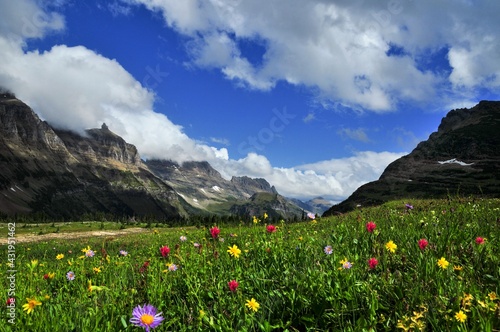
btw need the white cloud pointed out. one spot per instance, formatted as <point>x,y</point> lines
<point>328,46</point>
<point>333,179</point>
<point>22,19</point>
<point>358,134</point>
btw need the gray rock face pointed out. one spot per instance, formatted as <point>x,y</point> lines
<point>61,175</point>
<point>461,158</point>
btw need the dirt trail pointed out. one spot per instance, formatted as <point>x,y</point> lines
<point>27,238</point>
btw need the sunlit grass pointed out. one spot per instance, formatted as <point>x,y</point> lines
<point>318,275</point>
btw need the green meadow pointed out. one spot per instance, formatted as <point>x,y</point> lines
<point>431,266</point>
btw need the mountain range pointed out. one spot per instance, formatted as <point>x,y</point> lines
<point>55,173</point>
<point>51,173</point>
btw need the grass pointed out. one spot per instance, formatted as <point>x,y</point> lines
<point>309,276</point>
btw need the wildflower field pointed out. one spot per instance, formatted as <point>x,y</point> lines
<point>424,265</point>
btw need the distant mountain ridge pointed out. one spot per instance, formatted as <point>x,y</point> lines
<point>462,157</point>
<point>60,174</point>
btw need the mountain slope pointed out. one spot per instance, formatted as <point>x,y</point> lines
<point>59,174</point>
<point>462,157</point>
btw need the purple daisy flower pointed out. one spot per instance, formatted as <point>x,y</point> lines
<point>146,317</point>
<point>90,253</point>
<point>70,276</point>
<point>328,250</point>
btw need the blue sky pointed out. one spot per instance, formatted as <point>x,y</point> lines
<point>317,97</point>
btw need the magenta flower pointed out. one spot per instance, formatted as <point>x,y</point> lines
<point>480,240</point>
<point>372,262</point>
<point>233,285</point>
<point>214,231</point>
<point>409,206</point>
<point>422,243</point>
<point>146,317</point>
<point>370,226</point>
<point>271,228</point>
<point>164,251</point>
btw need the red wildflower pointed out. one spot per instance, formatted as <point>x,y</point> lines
<point>215,231</point>
<point>46,276</point>
<point>480,240</point>
<point>144,267</point>
<point>372,262</point>
<point>233,285</point>
<point>164,251</point>
<point>271,228</point>
<point>422,243</point>
<point>370,226</point>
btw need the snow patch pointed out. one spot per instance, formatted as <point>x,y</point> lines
<point>14,190</point>
<point>216,188</point>
<point>454,161</point>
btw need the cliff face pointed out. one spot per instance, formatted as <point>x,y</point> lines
<point>462,157</point>
<point>102,146</point>
<point>62,175</point>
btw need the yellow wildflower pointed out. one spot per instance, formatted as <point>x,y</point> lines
<point>253,304</point>
<point>234,251</point>
<point>30,306</point>
<point>443,263</point>
<point>60,256</point>
<point>460,316</point>
<point>391,246</point>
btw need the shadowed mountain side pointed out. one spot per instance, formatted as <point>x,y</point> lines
<point>461,158</point>
<point>62,175</point>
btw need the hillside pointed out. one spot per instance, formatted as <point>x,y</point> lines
<point>461,158</point>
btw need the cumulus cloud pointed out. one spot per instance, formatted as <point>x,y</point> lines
<point>342,48</point>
